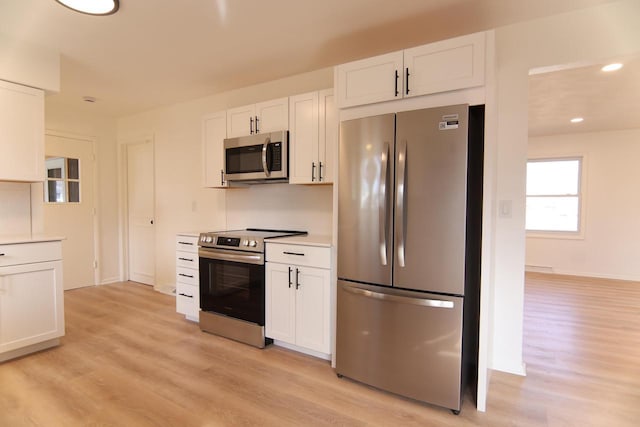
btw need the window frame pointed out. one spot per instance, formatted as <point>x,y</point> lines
<point>64,179</point>
<point>581,194</point>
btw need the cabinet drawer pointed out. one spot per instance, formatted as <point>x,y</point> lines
<point>311,256</point>
<point>25,253</point>
<point>187,299</point>
<point>187,275</point>
<point>187,243</point>
<point>187,259</point>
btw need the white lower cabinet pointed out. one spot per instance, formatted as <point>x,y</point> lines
<point>31,297</point>
<point>298,301</point>
<point>187,276</point>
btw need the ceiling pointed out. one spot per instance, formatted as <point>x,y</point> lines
<point>606,101</point>
<point>160,52</point>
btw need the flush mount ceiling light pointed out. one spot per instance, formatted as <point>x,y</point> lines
<point>577,120</point>
<point>92,7</point>
<point>611,67</point>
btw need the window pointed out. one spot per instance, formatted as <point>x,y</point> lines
<point>553,195</point>
<point>63,180</point>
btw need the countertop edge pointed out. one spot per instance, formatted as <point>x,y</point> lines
<point>15,240</point>
<point>303,240</point>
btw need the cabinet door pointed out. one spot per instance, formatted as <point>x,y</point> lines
<point>370,80</point>
<point>240,121</point>
<point>280,303</point>
<point>328,136</point>
<point>21,133</point>
<point>214,131</point>
<point>303,141</point>
<point>312,309</point>
<point>31,304</point>
<point>272,115</point>
<point>447,65</point>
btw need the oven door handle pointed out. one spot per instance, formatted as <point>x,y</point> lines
<point>234,257</point>
<point>265,147</point>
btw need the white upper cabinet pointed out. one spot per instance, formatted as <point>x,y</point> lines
<point>370,80</point>
<point>313,129</point>
<point>21,133</point>
<point>451,64</point>
<point>268,116</point>
<point>447,65</point>
<point>214,131</point>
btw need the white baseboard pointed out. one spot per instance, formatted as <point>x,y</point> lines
<point>109,280</point>
<point>517,369</point>
<point>632,278</point>
<point>538,269</point>
<point>302,350</point>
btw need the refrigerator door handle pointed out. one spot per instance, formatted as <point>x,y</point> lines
<point>400,299</point>
<point>382,205</point>
<point>401,201</point>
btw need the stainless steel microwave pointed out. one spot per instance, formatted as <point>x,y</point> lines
<point>257,158</point>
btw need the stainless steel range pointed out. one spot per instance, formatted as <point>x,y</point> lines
<point>232,283</point>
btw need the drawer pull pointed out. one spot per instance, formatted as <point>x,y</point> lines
<point>185,295</point>
<point>185,275</point>
<point>186,243</point>
<point>186,259</point>
<point>1,254</point>
<point>293,253</point>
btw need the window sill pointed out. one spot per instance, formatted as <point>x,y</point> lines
<point>559,235</point>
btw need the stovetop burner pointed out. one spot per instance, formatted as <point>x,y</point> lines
<point>250,240</point>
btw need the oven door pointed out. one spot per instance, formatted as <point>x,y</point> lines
<point>232,284</point>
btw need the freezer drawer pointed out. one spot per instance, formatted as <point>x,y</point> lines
<point>409,343</point>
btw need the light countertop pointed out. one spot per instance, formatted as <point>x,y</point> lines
<point>29,238</point>
<point>189,233</point>
<point>307,240</point>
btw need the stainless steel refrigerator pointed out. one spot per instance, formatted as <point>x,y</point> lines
<point>409,209</point>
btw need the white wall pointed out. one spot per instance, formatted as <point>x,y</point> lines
<point>15,209</point>
<point>611,244</point>
<point>592,34</point>
<point>182,204</point>
<point>84,123</point>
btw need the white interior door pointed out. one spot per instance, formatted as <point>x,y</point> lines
<point>141,202</point>
<point>69,206</point>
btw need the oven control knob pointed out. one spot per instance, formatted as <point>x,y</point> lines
<point>209,239</point>
<point>253,243</point>
<point>245,243</point>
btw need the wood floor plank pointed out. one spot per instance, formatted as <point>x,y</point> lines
<point>129,360</point>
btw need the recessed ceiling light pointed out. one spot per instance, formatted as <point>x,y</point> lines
<point>612,67</point>
<point>577,120</point>
<point>92,7</point>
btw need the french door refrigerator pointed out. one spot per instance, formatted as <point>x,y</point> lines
<point>409,209</point>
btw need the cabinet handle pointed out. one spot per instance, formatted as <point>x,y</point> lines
<point>290,283</point>
<point>397,77</point>
<point>185,275</point>
<point>298,284</point>
<point>1,254</point>
<point>251,125</point>
<point>186,259</point>
<point>293,253</point>
<point>185,295</point>
<point>186,243</point>
<point>319,171</point>
<point>257,130</point>
<point>313,171</point>
<point>221,177</point>
<point>406,81</point>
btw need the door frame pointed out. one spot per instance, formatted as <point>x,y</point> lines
<point>96,217</point>
<point>123,185</point>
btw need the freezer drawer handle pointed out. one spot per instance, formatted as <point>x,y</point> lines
<point>396,298</point>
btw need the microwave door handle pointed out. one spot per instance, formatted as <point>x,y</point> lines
<point>265,146</point>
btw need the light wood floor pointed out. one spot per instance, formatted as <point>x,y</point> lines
<point>129,360</point>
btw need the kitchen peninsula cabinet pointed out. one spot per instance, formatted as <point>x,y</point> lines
<point>263,117</point>
<point>297,312</point>
<point>187,276</point>
<point>31,297</point>
<point>21,133</point>
<point>446,65</point>
<point>313,126</point>
<point>214,131</point>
